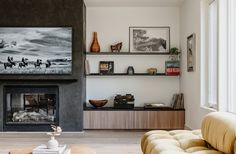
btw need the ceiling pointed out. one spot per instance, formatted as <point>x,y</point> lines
<point>132,3</point>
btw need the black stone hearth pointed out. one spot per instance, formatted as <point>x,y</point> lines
<point>71,88</point>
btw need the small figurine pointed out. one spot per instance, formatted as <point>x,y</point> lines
<point>117,47</point>
<point>152,71</point>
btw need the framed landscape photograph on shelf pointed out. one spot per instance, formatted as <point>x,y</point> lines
<point>149,39</point>
<point>191,52</point>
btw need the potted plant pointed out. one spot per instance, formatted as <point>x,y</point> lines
<point>174,54</point>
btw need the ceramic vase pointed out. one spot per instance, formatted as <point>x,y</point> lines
<point>95,47</point>
<point>52,143</point>
<point>130,70</point>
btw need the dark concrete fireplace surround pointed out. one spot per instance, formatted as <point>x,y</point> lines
<point>51,13</point>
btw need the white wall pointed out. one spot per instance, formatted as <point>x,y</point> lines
<point>112,25</point>
<point>190,17</point>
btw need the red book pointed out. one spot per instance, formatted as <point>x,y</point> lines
<point>172,71</point>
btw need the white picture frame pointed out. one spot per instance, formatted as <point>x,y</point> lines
<point>149,39</point>
<point>191,52</point>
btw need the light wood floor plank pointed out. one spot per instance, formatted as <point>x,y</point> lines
<point>103,141</point>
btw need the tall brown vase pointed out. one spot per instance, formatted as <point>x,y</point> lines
<point>95,47</point>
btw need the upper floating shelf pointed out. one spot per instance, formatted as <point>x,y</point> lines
<point>123,53</point>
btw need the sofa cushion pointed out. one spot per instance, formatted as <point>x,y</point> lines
<point>175,142</point>
<point>219,129</point>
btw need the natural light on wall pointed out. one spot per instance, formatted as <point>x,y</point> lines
<point>232,57</point>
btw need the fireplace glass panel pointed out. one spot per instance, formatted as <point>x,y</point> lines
<point>30,108</point>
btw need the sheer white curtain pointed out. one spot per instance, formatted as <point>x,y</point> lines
<point>232,57</point>
<point>212,54</point>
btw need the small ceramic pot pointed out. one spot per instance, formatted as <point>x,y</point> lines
<point>130,70</point>
<point>52,143</point>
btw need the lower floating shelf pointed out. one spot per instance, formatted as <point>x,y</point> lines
<point>133,109</point>
<point>124,74</point>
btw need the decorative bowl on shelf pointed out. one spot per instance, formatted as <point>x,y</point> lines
<point>98,103</point>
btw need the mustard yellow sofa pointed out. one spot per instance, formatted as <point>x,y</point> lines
<point>217,136</point>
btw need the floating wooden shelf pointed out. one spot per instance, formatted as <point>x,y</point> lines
<point>123,53</point>
<point>124,74</point>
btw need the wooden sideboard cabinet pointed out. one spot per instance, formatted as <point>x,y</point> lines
<point>133,119</point>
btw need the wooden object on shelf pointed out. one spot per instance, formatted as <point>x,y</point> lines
<point>131,119</point>
<point>152,71</point>
<point>98,103</point>
<point>95,47</point>
<point>117,47</point>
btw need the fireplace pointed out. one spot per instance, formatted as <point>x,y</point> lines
<point>71,93</point>
<point>30,107</point>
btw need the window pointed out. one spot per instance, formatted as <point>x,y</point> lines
<point>212,54</point>
<point>218,72</point>
<point>232,57</point>
<point>209,55</point>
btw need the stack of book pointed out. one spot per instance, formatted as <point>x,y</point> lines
<point>42,149</point>
<point>172,68</point>
<point>178,101</point>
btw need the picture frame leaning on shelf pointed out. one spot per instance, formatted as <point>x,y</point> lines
<point>149,39</point>
<point>106,67</point>
<point>191,52</point>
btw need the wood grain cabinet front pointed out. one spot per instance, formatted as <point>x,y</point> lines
<point>134,119</point>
